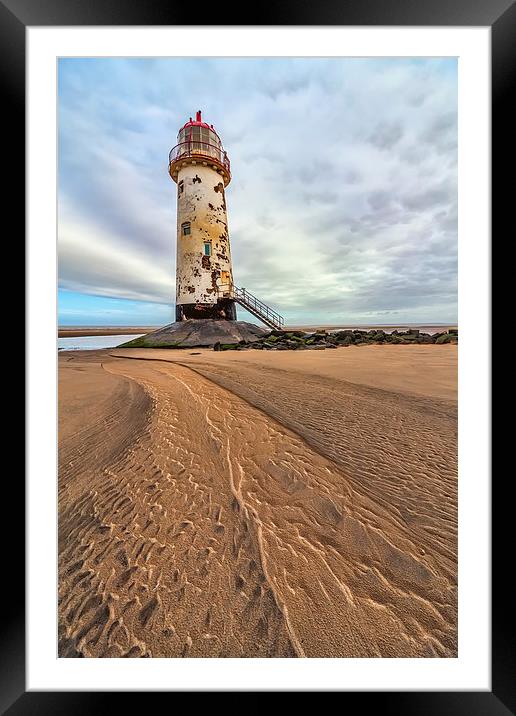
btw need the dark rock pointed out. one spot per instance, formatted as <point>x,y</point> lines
<point>196,333</point>
<point>320,340</point>
<point>342,335</point>
<point>445,338</point>
<point>229,347</point>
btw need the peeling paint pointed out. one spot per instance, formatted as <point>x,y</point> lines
<point>198,277</point>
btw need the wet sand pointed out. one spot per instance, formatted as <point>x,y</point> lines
<point>78,332</point>
<point>258,504</point>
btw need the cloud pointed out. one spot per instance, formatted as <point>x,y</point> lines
<point>94,262</point>
<point>385,136</point>
<point>343,202</point>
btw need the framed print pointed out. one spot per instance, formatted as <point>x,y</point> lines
<point>258,458</point>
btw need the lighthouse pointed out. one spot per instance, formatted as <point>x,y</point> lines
<point>206,295</point>
<point>200,167</point>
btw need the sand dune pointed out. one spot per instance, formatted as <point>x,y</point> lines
<point>243,506</point>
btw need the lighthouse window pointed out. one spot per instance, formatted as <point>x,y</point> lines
<point>186,230</point>
<point>195,137</point>
<point>207,248</point>
<point>181,187</point>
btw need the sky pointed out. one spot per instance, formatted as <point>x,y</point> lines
<point>342,206</point>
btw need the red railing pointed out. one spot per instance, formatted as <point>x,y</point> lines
<point>202,149</point>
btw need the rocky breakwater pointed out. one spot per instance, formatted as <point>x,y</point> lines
<point>282,340</point>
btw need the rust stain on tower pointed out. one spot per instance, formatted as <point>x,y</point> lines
<point>204,276</point>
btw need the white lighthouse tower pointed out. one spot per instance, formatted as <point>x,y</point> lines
<point>204,275</point>
<point>206,295</point>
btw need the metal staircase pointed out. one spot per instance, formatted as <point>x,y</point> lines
<point>256,307</point>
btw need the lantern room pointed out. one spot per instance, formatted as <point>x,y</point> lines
<point>198,141</point>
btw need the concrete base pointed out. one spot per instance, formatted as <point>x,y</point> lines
<point>197,333</point>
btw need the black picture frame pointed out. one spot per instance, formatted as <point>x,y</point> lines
<point>500,15</point>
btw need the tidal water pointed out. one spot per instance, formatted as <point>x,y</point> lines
<point>90,343</point>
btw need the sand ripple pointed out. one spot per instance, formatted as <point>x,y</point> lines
<point>242,513</point>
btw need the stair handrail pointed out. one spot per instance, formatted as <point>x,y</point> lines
<point>259,306</point>
<point>249,295</point>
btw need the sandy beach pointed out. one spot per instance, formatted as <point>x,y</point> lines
<point>82,331</point>
<point>258,504</point>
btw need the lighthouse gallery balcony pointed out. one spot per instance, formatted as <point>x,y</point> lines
<point>207,152</point>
